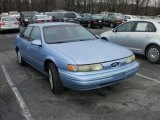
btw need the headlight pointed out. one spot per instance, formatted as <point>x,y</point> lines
<point>85,68</point>
<point>130,59</point>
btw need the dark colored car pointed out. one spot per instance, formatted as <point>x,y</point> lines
<point>91,21</point>
<point>67,17</point>
<point>40,19</point>
<point>113,20</point>
<point>26,16</point>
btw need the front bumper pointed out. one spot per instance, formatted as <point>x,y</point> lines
<point>93,80</point>
<point>9,28</point>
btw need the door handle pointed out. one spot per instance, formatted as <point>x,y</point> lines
<point>147,36</point>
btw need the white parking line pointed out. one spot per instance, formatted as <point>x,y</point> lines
<point>25,111</point>
<point>151,79</point>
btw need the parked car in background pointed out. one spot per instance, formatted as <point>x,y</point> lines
<point>9,23</point>
<point>14,14</point>
<point>66,53</point>
<point>40,19</point>
<point>53,15</point>
<point>67,17</point>
<point>91,21</point>
<point>26,16</point>
<point>4,13</point>
<point>113,19</point>
<point>140,36</point>
<point>130,17</point>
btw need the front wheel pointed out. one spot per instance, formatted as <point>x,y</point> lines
<point>54,79</point>
<point>153,54</point>
<point>20,59</point>
<point>104,38</point>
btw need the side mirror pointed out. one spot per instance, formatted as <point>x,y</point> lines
<point>36,43</point>
<point>114,30</point>
<point>97,36</point>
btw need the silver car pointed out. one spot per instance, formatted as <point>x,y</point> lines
<point>9,23</point>
<point>140,36</point>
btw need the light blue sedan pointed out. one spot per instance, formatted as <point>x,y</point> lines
<point>73,57</point>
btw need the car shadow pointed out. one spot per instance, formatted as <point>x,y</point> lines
<point>9,32</point>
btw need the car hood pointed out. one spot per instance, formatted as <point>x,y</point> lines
<point>92,51</point>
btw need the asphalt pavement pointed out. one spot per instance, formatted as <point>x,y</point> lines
<point>136,98</point>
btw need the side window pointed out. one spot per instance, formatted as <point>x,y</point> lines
<point>141,27</point>
<point>36,34</point>
<point>126,27</point>
<point>26,33</point>
<point>145,27</point>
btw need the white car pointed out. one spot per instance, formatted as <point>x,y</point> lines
<point>140,36</point>
<point>9,23</point>
<point>130,17</point>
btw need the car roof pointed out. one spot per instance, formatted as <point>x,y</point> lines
<point>146,20</point>
<point>51,24</point>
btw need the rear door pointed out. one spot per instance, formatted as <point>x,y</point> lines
<point>144,31</point>
<point>122,34</point>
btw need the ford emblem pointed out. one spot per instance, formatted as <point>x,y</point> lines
<point>115,64</point>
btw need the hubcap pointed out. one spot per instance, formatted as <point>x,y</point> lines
<point>153,54</point>
<point>89,25</point>
<point>19,57</point>
<point>111,25</point>
<point>51,79</point>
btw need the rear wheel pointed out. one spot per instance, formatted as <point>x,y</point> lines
<point>111,25</point>
<point>153,54</point>
<point>20,59</point>
<point>104,38</point>
<point>89,25</point>
<point>54,79</point>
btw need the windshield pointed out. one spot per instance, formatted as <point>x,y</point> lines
<point>9,19</point>
<point>69,15</point>
<point>66,33</point>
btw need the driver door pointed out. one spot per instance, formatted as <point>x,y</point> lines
<point>121,35</point>
<point>36,53</point>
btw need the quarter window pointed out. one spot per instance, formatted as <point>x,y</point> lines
<point>26,33</point>
<point>151,28</point>
<point>36,34</point>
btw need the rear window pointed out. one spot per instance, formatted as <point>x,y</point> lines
<point>9,19</point>
<point>118,17</point>
<point>69,15</point>
<point>28,14</point>
<point>96,17</point>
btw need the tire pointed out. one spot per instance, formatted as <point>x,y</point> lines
<point>104,38</point>
<point>54,79</point>
<point>153,54</point>
<point>20,59</point>
<point>18,30</point>
<point>89,25</point>
<point>111,25</point>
